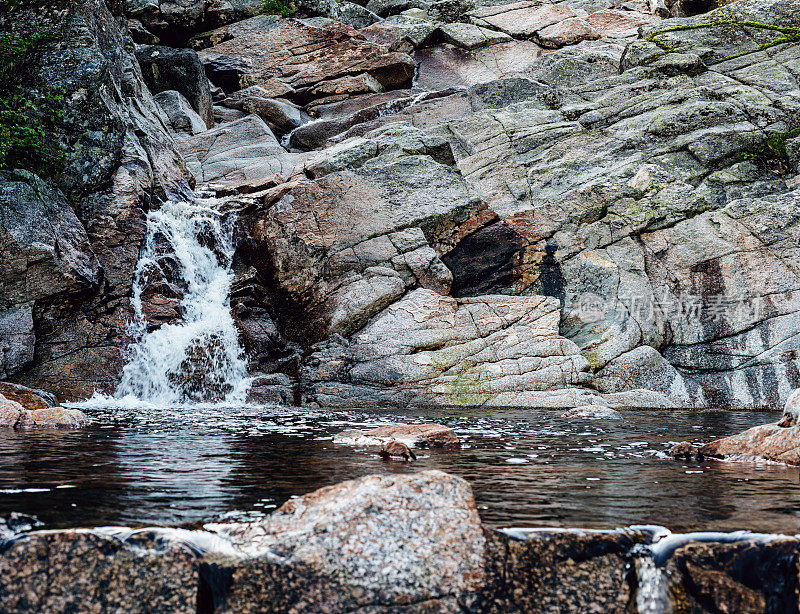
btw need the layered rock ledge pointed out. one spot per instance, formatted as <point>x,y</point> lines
<point>403,543</point>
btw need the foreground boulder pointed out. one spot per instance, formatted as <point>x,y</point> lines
<point>375,540</point>
<point>32,411</point>
<point>412,435</point>
<point>385,544</point>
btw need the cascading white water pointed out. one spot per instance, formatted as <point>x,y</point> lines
<point>199,359</point>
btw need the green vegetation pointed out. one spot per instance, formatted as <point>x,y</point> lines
<point>774,148</point>
<point>277,7</point>
<point>28,114</point>
<point>729,19</point>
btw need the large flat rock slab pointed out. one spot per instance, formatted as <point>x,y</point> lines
<point>523,19</point>
<point>489,350</point>
<point>235,152</point>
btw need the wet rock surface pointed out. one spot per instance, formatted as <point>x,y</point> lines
<point>71,242</point>
<point>413,435</point>
<point>387,544</point>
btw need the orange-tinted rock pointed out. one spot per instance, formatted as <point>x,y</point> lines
<point>10,412</point>
<point>53,417</point>
<point>302,53</point>
<point>29,398</point>
<point>412,435</point>
<point>768,441</point>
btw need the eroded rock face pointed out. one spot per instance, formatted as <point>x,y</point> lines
<point>628,200</point>
<point>73,244</point>
<point>340,248</point>
<point>180,70</point>
<point>430,348</point>
<point>303,55</point>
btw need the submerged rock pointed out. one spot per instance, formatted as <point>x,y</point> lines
<point>412,435</point>
<point>393,449</point>
<point>767,442</point>
<point>686,451</point>
<point>592,412</point>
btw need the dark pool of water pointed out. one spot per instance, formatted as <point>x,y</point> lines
<point>527,468</point>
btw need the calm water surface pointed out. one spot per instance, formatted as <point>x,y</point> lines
<point>527,468</point>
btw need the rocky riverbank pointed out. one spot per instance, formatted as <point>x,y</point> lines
<point>403,543</point>
<point>462,202</point>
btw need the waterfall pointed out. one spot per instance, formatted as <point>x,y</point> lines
<point>651,596</point>
<point>187,255</point>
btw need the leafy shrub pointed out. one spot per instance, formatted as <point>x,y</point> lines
<point>277,7</point>
<point>28,114</point>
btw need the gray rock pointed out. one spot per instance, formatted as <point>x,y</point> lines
<point>273,389</point>
<point>343,268</point>
<point>165,68</point>
<point>407,537</point>
<point>645,368</point>
<point>283,115</point>
<point>182,117</point>
<point>592,412</point>
<point>17,338</point>
<point>377,543</point>
<point>385,8</point>
<point>429,348</point>
<point>400,33</point>
<point>243,149</point>
<point>469,36</point>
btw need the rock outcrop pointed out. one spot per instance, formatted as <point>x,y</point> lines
<point>22,407</point>
<point>385,544</point>
<point>71,242</point>
<point>641,171</point>
<point>428,348</point>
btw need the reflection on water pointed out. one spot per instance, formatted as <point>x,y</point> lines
<point>527,468</point>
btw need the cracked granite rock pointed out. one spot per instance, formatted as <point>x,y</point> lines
<point>429,348</point>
